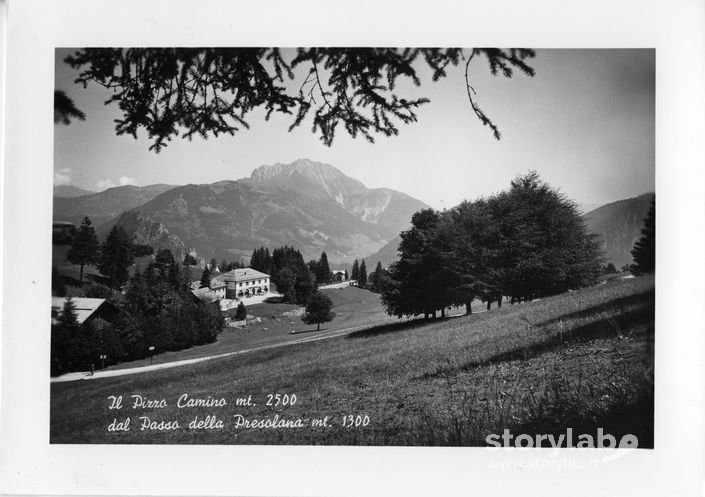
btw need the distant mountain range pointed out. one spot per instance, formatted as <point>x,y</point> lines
<point>618,223</point>
<point>306,204</point>
<point>106,205</point>
<point>309,205</point>
<point>70,191</point>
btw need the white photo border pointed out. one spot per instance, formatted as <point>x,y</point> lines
<point>30,465</point>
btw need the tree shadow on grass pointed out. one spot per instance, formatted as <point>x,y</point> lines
<point>274,300</point>
<point>616,305</point>
<point>383,329</point>
<point>611,326</point>
<point>303,332</point>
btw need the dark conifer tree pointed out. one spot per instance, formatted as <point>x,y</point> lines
<point>379,278</point>
<point>205,278</point>
<point>116,256</point>
<point>323,273</point>
<point>85,248</point>
<point>644,251</point>
<point>362,275</point>
<point>355,275</point>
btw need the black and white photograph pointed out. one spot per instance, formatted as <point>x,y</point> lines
<point>367,249</point>
<point>354,246</point>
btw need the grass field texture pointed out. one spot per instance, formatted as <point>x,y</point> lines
<point>582,360</point>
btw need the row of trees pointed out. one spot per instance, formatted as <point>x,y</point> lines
<point>524,243</point>
<point>298,281</point>
<point>294,278</point>
<point>113,257</point>
<point>289,272</point>
<point>373,281</point>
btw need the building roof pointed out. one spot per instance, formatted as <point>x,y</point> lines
<point>238,275</point>
<point>85,307</point>
<point>205,292</point>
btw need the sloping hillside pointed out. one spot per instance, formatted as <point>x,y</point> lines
<point>619,225</point>
<point>311,206</point>
<point>229,219</point>
<point>102,206</point>
<point>70,191</point>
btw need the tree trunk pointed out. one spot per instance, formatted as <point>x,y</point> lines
<point>443,313</point>
<point>499,302</point>
<point>80,277</point>
<point>318,326</point>
<point>468,308</point>
<point>434,314</point>
<point>489,305</point>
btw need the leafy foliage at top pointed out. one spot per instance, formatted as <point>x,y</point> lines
<point>203,91</point>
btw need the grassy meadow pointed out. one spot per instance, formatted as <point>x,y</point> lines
<point>583,359</point>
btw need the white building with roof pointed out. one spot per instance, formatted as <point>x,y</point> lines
<point>240,283</point>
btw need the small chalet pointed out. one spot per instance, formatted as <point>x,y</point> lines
<point>96,313</point>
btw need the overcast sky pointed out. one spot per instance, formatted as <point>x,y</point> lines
<point>585,122</point>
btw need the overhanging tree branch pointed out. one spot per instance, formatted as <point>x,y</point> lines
<point>187,91</point>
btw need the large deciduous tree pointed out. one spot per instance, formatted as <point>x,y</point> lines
<point>171,92</point>
<point>85,248</point>
<point>547,248</point>
<point>318,310</point>
<point>415,279</point>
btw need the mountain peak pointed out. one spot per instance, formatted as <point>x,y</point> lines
<point>316,171</point>
<point>309,177</point>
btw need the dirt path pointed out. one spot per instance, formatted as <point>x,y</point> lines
<point>310,337</point>
<point>316,336</point>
